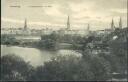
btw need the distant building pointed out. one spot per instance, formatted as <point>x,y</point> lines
<point>68,23</point>
<point>47,31</point>
<point>26,31</point>
<point>88,30</point>
<point>120,23</point>
<point>112,25</point>
<point>69,31</point>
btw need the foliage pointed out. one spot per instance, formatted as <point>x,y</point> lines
<point>48,41</point>
<point>100,67</point>
<point>89,67</point>
<point>64,68</point>
<point>74,68</point>
<point>8,40</point>
<point>86,41</point>
<point>14,68</point>
<point>120,53</point>
<point>119,49</point>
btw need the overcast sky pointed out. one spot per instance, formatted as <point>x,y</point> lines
<point>98,13</point>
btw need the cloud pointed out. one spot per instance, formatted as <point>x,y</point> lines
<point>11,20</point>
<point>98,12</point>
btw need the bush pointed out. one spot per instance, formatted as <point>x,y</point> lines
<point>64,68</point>
<point>14,68</point>
<point>74,68</point>
<point>70,67</point>
<point>119,51</point>
<point>48,41</point>
<point>99,66</point>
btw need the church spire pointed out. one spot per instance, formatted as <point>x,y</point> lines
<point>25,24</point>
<point>88,28</point>
<point>68,23</point>
<point>112,25</point>
<point>120,23</point>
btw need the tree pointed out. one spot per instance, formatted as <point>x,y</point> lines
<point>65,68</point>
<point>75,68</point>
<point>119,50</point>
<point>86,41</point>
<point>48,41</point>
<point>99,66</point>
<point>15,68</point>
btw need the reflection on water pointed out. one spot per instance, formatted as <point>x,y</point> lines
<point>35,56</point>
<point>69,52</point>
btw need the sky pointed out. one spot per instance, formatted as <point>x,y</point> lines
<point>54,13</point>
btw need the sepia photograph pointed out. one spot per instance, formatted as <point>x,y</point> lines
<point>64,40</point>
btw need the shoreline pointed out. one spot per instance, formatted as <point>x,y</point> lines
<point>40,48</point>
<point>29,46</point>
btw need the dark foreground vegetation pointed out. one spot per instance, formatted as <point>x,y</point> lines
<point>59,68</point>
<point>89,67</point>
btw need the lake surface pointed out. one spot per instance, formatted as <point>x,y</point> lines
<point>35,56</point>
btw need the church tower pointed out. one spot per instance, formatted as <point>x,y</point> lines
<point>88,29</point>
<point>112,25</point>
<point>25,29</point>
<point>120,23</point>
<point>25,25</point>
<point>68,23</point>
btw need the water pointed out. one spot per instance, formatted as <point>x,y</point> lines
<point>34,56</point>
<point>36,38</point>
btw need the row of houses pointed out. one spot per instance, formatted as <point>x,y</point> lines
<point>20,31</point>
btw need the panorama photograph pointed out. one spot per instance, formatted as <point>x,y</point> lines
<point>64,40</point>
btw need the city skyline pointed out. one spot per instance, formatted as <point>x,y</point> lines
<point>96,13</point>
